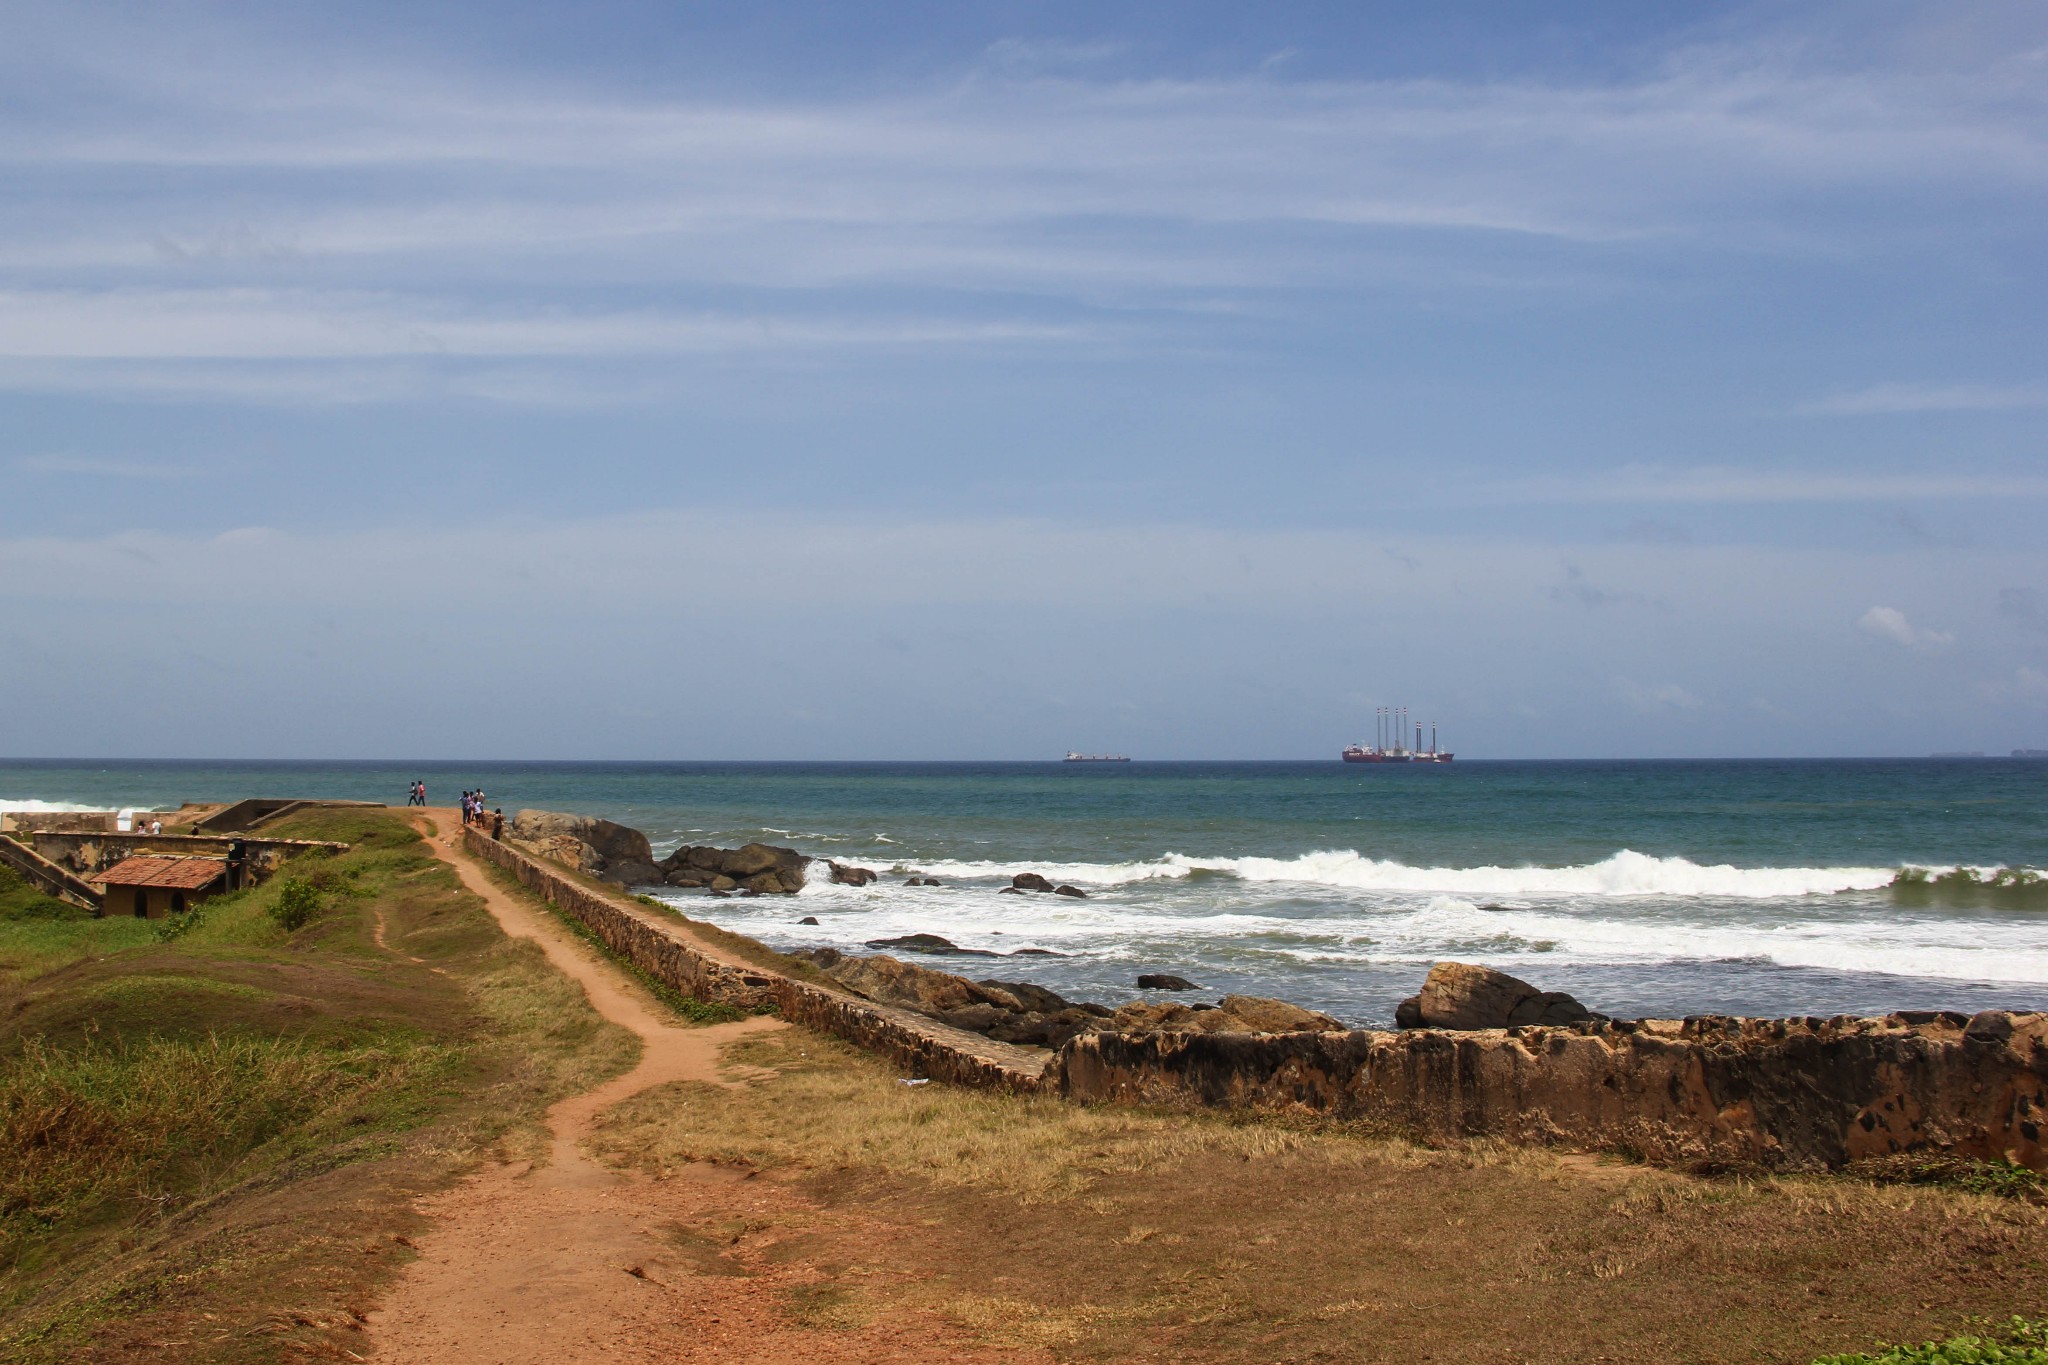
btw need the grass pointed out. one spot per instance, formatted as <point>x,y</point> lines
<point>227,1119</point>
<point>2015,1342</point>
<point>1113,1234</point>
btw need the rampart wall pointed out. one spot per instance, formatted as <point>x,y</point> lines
<point>667,951</point>
<point>1792,1094</point>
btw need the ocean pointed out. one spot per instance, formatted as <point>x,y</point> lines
<point>1651,888</point>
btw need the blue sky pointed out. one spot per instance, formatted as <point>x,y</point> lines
<point>984,380</point>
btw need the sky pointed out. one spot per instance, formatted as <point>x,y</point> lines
<point>983,380</point>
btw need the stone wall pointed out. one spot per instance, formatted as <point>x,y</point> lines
<point>1794,1094</point>
<point>664,948</point>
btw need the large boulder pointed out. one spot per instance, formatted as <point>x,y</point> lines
<point>612,842</point>
<point>566,849</point>
<point>1031,881</point>
<point>844,874</point>
<point>631,872</point>
<point>1460,995</point>
<point>754,859</point>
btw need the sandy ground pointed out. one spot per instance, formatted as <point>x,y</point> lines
<point>573,1261</point>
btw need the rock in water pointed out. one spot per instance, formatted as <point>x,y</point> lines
<point>1076,892</point>
<point>631,872</point>
<point>844,875</point>
<point>929,943</point>
<point>1408,1014</point>
<point>1165,981</point>
<point>1462,996</point>
<point>808,919</point>
<point>1030,881</point>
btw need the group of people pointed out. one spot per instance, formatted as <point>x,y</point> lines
<point>417,795</point>
<point>473,813</point>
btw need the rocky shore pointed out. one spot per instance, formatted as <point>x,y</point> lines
<point>1455,995</point>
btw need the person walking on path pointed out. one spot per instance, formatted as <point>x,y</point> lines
<point>498,824</point>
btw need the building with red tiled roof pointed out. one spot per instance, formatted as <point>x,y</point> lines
<point>152,887</point>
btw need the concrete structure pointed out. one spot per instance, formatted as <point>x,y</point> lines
<point>1779,1094</point>
<point>151,888</point>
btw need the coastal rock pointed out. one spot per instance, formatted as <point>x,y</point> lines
<point>632,872</point>
<point>1030,881</point>
<point>845,875</point>
<point>754,859</point>
<point>689,877</point>
<point>721,884</point>
<point>1165,981</point>
<point>567,850</point>
<point>1076,892</point>
<point>1233,1014</point>
<point>612,842</point>
<point>929,943</point>
<point>1459,995</point>
<point>770,883</point>
<point>1553,1009</point>
<point>1011,891</point>
<point>1008,1011</point>
<point>808,919</point>
<point>1408,1014</point>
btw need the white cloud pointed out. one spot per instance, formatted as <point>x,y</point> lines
<point>1898,398</point>
<point>1889,623</point>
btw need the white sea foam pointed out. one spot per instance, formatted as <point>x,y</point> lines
<point>1624,911</point>
<point>22,805</point>
<point>1626,873</point>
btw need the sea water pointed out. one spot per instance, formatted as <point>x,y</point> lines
<point>1644,888</point>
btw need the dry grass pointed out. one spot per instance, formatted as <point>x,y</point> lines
<point>1104,1234</point>
<point>831,1106</point>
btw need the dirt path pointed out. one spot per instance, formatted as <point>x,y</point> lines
<point>573,1261</point>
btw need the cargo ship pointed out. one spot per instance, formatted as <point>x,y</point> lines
<point>1391,744</point>
<point>1073,757</point>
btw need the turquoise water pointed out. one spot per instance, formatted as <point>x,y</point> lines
<point>1644,887</point>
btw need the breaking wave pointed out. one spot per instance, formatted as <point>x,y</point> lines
<point>1626,873</point>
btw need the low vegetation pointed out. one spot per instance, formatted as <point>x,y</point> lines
<point>2017,1342</point>
<point>226,1115</point>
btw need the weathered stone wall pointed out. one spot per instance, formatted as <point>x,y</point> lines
<point>667,951</point>
<point>1791,1094</point>
<point>1794,1094</point>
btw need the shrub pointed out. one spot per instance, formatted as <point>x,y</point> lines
<point>2017,1342</point>
<point>297,900</point>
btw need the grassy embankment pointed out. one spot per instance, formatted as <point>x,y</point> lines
<point>1117,1234</point>
<point>210,1131</point>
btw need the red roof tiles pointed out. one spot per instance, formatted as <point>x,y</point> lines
<point>182,874</point>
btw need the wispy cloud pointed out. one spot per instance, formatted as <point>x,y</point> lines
<point>1880,399</point>
<point>1650,485</point>
<point>1889,623</point>
<point>97,467</point>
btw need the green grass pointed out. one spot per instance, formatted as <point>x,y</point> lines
<point>196,1113</point>
<point>2017,1342</point>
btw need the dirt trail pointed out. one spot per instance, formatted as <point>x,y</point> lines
<point>573,1261</point>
